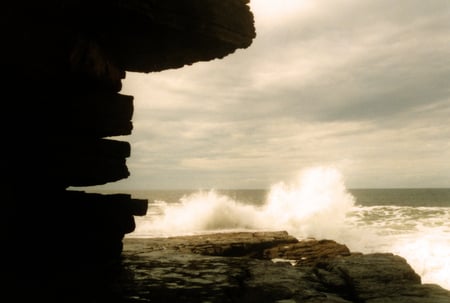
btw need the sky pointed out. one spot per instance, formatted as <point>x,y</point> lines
<point>359,85</point>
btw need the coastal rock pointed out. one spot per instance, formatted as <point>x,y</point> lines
<point>174,277</point>
<point>307,252</point>
<point>376,278</point>
<point>105,38</point>
<point>233,244</point>
<point>153,35</point>
<point>64,62</point>
<point>184,268</point>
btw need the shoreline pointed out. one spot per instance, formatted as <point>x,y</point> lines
<point>268,267</point>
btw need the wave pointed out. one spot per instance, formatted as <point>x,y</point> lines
<point>313,205</point>
<point>316,204</point>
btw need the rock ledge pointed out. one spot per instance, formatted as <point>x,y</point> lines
<point>248,267</point>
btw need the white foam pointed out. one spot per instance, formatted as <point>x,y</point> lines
<point>313,205</point>
<point>419,234</point>
<point>202,211</point>
<point>316,204</point>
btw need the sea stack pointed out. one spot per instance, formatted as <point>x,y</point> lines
<point>62,64</point>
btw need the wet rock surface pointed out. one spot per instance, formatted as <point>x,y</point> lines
<point>235,244</point>
<point>192,269</point>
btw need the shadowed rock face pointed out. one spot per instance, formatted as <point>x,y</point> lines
<point>132,35</point>
<point>62,64</point>
<point>170,34</point>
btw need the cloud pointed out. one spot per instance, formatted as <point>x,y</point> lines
<point>357,84</point>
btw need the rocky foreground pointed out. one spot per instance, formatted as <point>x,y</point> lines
<point>265,267</point>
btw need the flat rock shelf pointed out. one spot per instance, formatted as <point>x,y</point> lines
<point>265,267</point>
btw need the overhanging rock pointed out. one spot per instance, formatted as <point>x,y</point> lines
<point>63,63</point>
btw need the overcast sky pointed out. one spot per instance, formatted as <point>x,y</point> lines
<point>360,85</point>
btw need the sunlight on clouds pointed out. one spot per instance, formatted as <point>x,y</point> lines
<point>351,83</point>
<point>214,164</point>
<point>279,146</point>
<point>277,8</point>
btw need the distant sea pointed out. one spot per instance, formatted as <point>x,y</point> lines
<point>411,222</point>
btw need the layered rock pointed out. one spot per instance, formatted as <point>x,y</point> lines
<point>235,244</point>
<point>63,63</point>
<point>203,269</point>
<point>307,252</point>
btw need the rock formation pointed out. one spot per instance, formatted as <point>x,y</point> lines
<point>266,267</point>
<point>62,65</point>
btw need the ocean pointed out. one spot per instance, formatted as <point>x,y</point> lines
<point>411,222</point>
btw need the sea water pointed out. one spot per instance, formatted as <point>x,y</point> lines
<point>413,223</point>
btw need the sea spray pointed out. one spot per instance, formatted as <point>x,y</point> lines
<point>315,204</point>
<point>201,211</point>
<point>419,234</point>
<point>428,252</point>
<point>312,205</point>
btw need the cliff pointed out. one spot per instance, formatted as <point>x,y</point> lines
<point>62,66</point>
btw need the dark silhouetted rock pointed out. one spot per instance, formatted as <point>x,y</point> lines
<point>63,63</point>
